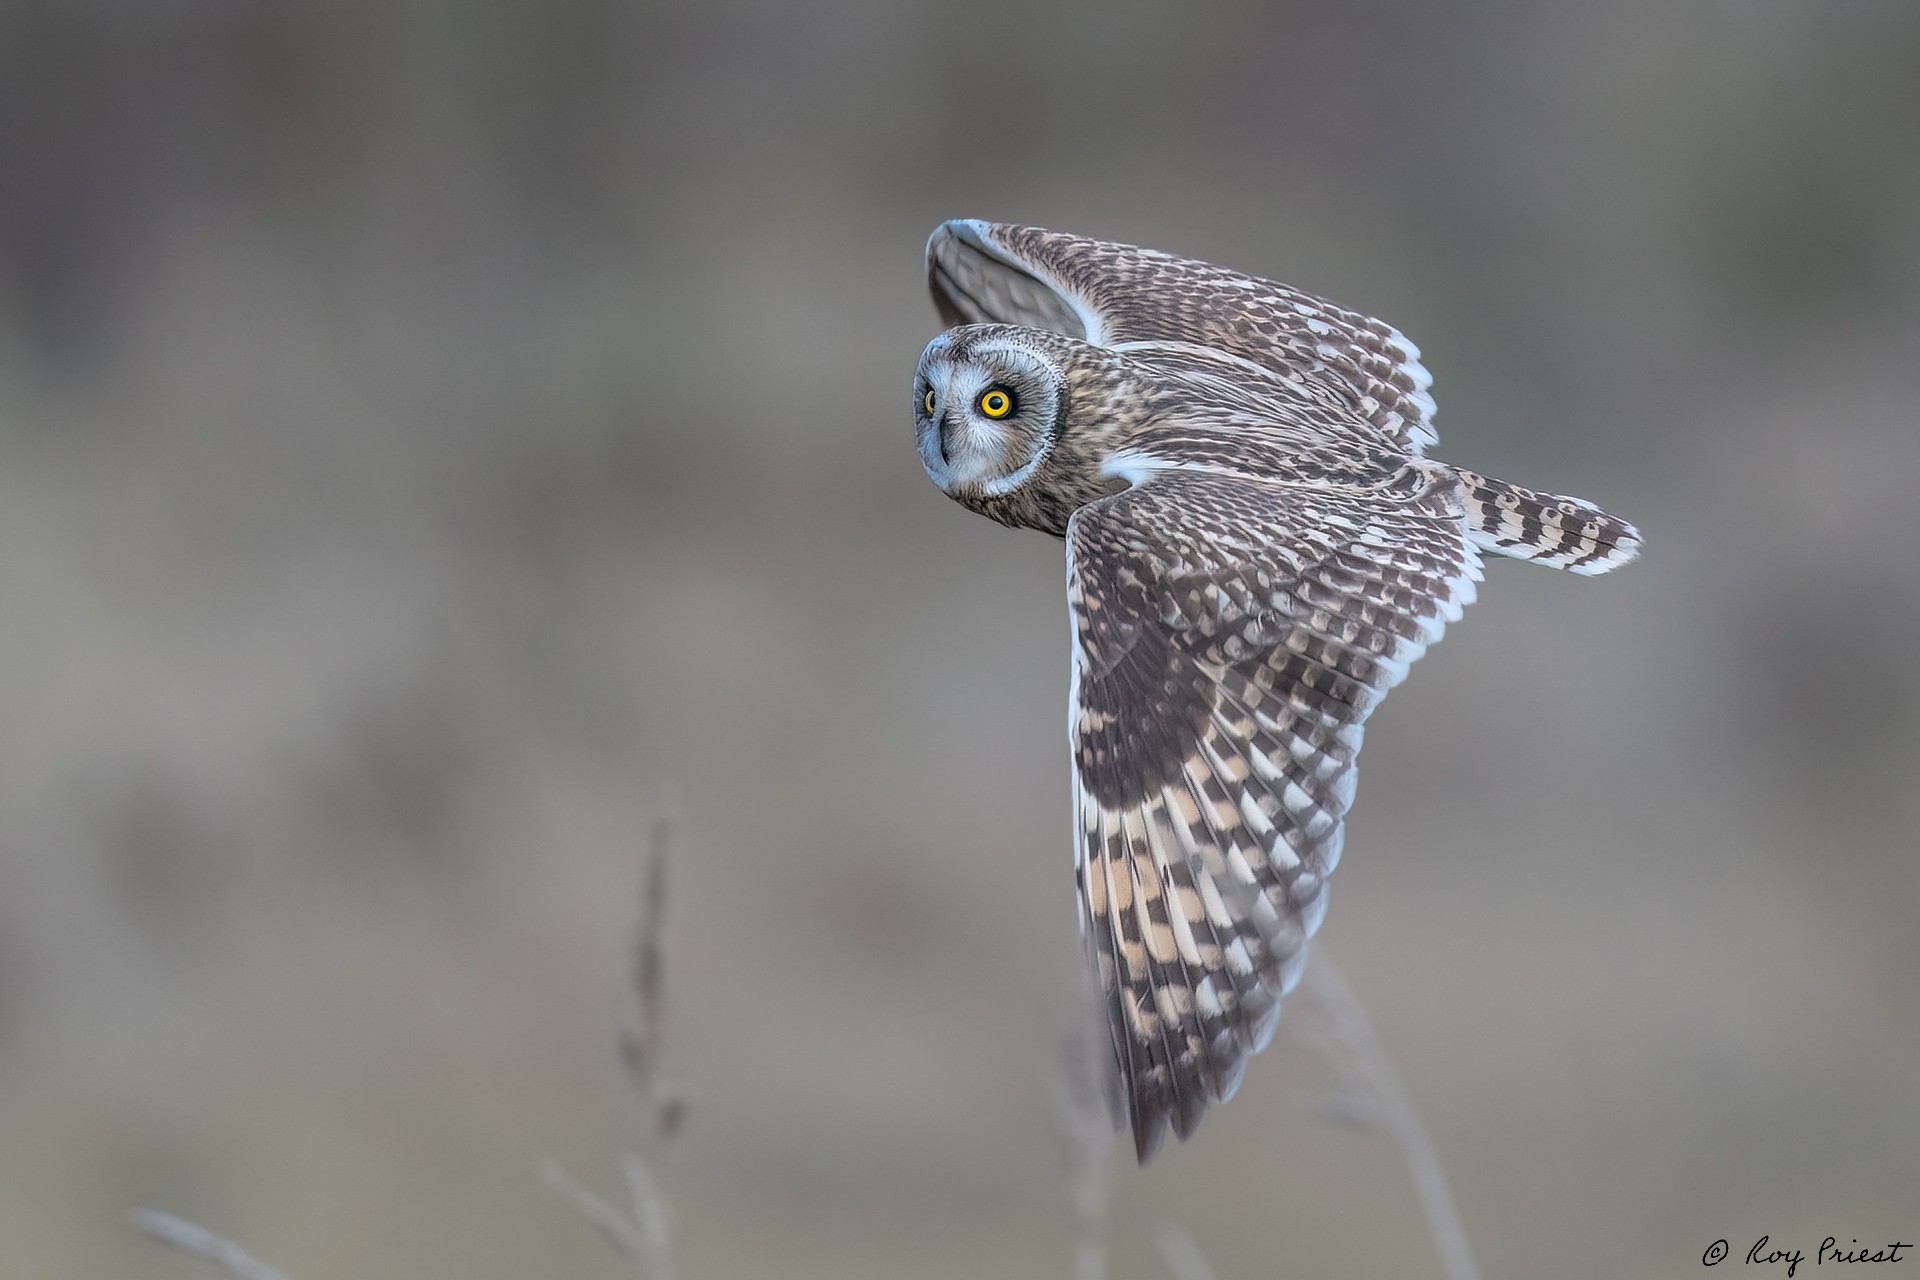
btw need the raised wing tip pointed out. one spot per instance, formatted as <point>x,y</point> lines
<point>977,278</point>
<point>971,232</point>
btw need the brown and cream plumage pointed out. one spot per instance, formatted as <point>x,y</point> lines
<point>1256,552</point>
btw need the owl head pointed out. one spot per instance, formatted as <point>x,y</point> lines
<point>1017,424</point>
<point>988,404</point>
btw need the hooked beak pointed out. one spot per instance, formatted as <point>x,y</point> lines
<point>946,427</point>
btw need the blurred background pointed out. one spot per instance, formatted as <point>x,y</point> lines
<point>438,439</point>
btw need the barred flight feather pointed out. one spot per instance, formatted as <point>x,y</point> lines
<point>1212,821</point>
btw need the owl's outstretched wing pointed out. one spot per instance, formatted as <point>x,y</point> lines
<point>1231,636</point>
<point>1117,295</point>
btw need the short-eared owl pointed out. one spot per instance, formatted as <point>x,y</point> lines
<point>1256,551</point>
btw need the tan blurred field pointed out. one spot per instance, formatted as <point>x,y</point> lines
<point>436,439</point>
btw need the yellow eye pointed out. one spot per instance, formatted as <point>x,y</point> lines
<point>928,402</point>
<point>996,403</point>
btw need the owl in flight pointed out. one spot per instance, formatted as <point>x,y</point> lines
<point>1257,549</point>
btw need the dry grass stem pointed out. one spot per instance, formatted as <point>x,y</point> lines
<point>619,1230</point>
<point>1374,1097</point>
<point>650,1213</point>
<point>641,1232</point>
<point>1085,1116</point>
<point>197,1242</point>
